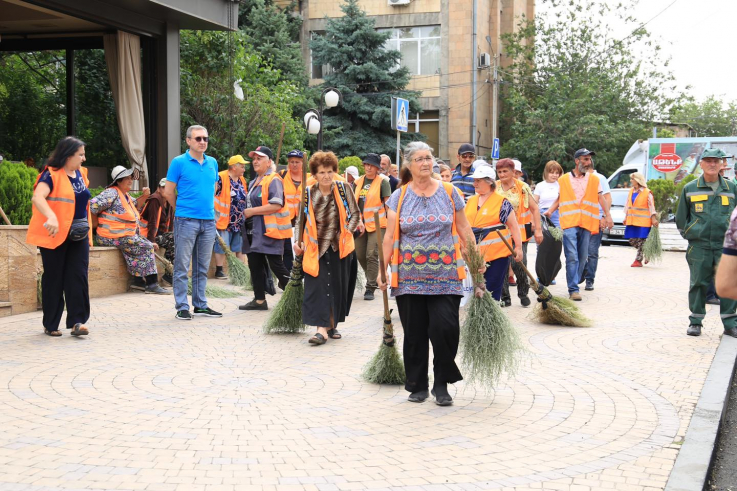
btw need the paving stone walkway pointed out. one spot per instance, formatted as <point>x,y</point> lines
<point>147,402</point>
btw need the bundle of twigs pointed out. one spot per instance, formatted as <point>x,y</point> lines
<point>386,367</point>
<point>210,290</point>
<point>652,249</point>
<point>238,272</point>
<point>552,310</point>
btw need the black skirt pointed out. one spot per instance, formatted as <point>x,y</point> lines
<point>330,291</point>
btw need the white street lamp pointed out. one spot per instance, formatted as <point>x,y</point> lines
<point>332,99</point>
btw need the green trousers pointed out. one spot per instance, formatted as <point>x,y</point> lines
<point>702,263</point>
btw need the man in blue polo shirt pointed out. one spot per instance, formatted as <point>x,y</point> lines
<point>461,177</point>
<point>190,188</point>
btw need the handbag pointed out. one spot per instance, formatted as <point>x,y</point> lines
<point>79,229</point>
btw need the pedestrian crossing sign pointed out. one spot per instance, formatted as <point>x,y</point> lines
<point>400,114</point>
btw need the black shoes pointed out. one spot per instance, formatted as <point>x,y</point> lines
<point>207,312</point>
<point>525,301</point>
<point>254,305</point>
<point>183,315</point>
<point>589,286</point>
<point>418,396</point>
<point>732,331</point>
<point>442,397</point>
<point>505,302</point>
<point>369,295</point>
<point>694,330</point>
<point>220,275</point>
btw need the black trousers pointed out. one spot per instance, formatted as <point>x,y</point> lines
<point>288,256</point>
<point>433,318</point>
<point>65,281</point>
<point>257,263</point>
<point>523,282</point>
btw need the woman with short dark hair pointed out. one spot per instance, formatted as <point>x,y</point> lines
<point>60,228</point>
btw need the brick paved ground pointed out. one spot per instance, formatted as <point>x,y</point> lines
<point>147,402</point>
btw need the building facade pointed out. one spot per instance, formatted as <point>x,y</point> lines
<point>452,63</point>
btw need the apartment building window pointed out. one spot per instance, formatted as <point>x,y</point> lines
<point>420,48</point>
<point>427,123</point>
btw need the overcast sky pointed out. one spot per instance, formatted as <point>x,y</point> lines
<point>699,35</point>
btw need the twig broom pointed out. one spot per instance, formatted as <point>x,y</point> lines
<point>238,272</point>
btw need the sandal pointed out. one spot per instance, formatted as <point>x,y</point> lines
<point>317,339</point>
<point>334,334</point>
<point>79,330</point>
<point>56,333</point>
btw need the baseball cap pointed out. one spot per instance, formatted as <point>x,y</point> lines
<point>296,153</point>
<point>466,148</point>
<point>263,151</point>
<point>236,159</point>
<point>162,182</point>
<point>119,172</point>
<point>352,170</point>
<point>483,171</point>
<point>517,165</point>
<point>372,159</point>
<point>715,153</point>
<point>583,151</point>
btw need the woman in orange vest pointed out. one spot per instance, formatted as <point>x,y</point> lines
<point>488,212</point>
<point>230,201</point>
<point>640,215</point>
<point>60,228</point>
<point>327,244</point>
<point>425,238</point>
<point>118,226</point>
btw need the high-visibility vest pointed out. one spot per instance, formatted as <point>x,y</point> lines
<point>144,223</point>
<point>396,258</point>
<point>638,213</point>
<point>487,218</point>
<point>292,193</point>
<point>312,180</point>
<point>583,214</point>
<point>346,244</point>
<point>278,224</point>
<point>117,225</point>
<point>373,203</point>
<point>222,202</point>
<point>62,201</point>
<point>523,213</point>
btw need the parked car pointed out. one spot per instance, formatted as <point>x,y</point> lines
<point>616,234</point>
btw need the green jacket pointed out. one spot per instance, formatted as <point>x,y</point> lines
<point>703,215</point>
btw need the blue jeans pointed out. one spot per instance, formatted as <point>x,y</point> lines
<point>195,239</point>
<point>576,249</point>
<point>593,259</point>
<point>234,241</point>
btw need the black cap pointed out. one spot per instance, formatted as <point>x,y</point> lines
<point>466,148</point>
<point>262,150</point>
<point>372,159</point>
<point>296,153</point>
<point>583,151</point>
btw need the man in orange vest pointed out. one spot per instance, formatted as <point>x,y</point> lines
<point>157,222</point>
<point>230,201</point>
<point>579,201</point>
<point>372,191</point>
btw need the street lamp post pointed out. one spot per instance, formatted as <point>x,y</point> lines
<point>330,97</point>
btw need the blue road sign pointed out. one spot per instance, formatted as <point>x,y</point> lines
<point>402,115</point>
<point>495,149</point>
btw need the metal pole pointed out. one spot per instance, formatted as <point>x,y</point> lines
<point>474,66</point>
<point>494,123</point>
<point>399,150</point>
<point>319,113</point>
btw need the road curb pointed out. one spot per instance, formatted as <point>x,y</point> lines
<point>693,464</point>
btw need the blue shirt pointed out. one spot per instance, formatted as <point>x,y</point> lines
<point>464,184</point>
<point>81,193</point>
<point>195,186</point>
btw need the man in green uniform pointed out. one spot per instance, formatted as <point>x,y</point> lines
<point>702,219</point>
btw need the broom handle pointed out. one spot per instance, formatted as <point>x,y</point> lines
<point>281,139</point>
<point>302,202</point>
<point>167,265</point>
<point>5,218</point>
<point>511,249</point>
<point>382,267</point>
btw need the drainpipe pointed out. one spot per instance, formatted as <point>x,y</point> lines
<point>475,73</point>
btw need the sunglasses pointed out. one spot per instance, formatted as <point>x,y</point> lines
<point>200,139</point>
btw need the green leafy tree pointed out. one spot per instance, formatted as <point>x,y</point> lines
<point>711,117</point>
<point>346,162</point>
<point>367,75</point>
<point>575,86</point>
<point>664,195</point>
<point>16,190</point>
<point>207,96</point>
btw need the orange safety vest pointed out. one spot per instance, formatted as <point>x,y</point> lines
<point>61,200</point>
<point>278,224</point>
<point>311,259</point>
<point>638,213</point>
<point>222,202</point>
<point>117,225</point>
<point>144,223</point>
<point>584,214</point>
<point>292,193</point>
<point>373,203</point>
<point>487,218</point>
<point>396,258</point>
<point>523,213</point>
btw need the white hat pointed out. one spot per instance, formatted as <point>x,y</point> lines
<point>352,170</point>
<point>478,162</point>
<point>162,182</point>
<point>517,165</point>
<point>484,171</point>
<point>120,172</point>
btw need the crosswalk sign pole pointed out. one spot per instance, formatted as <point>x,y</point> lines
<point>399,164</point>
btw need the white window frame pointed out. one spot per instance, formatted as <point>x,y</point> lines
<point>396,40</point>
<point>419,119</point>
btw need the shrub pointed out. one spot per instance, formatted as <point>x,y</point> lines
<point>664,195</point>
<point>346,162</point>
<point>16,190</point>
<point>679,189</point>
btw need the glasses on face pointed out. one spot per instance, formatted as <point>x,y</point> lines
<point>468,156</point>
<point>200,139</point>
<point>419,160</point>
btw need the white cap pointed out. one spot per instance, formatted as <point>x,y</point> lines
<point>478,162</point>
<point>120,172</point>
<point>483,171</point>
<point>517,165</point>
<point>352,170</point>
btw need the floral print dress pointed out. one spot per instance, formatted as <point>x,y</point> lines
<point>137,251</point>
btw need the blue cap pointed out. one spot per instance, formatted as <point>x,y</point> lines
<point>296,153</point>
<point>582,152</point>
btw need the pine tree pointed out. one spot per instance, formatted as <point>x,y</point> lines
<point>367,76</point>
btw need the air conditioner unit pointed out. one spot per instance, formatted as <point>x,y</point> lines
<point>484,60</point>
<point>394,3</point>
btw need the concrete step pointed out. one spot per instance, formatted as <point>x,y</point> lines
<point>5,309</point>
<point>671,239</point>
